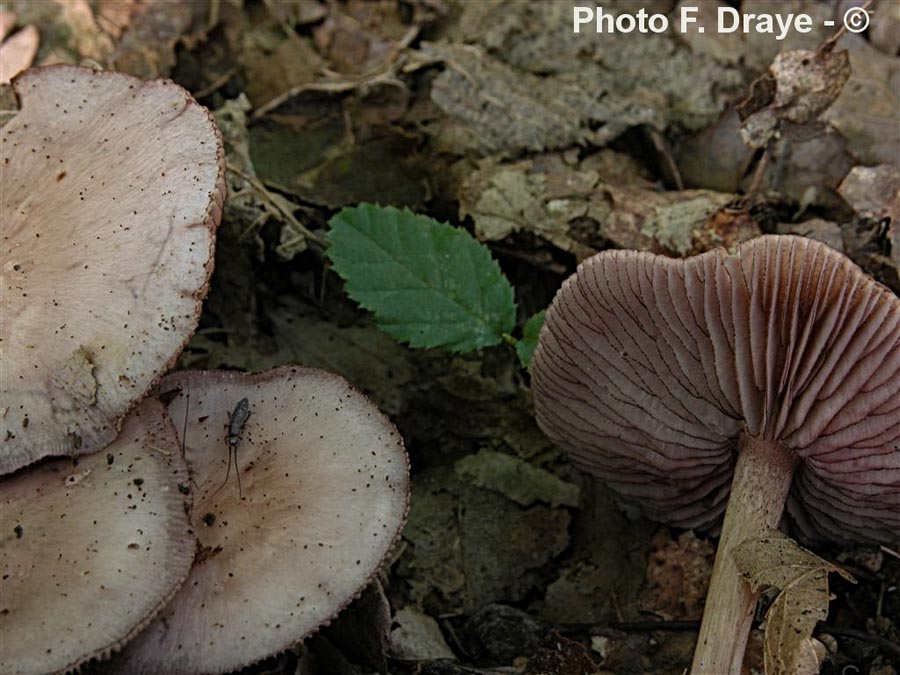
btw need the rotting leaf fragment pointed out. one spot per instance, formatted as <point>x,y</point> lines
<point>802,580</point>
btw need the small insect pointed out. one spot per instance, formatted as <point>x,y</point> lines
<point>236,422</point>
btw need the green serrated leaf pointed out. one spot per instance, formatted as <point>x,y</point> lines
<point>427,283</point>
<point>526,346</point>
<point>802,579</point>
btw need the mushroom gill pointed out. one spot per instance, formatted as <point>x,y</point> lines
<point>760,378</point>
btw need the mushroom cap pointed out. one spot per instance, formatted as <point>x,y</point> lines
<point>325,494</point>
<point>112,190</point>
<point>648,369</point>
<point>92,550</point>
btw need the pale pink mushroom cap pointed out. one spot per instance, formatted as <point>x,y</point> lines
<point>111,192</point>
<point>325,484</point>
<point>649,368</point>
<point>92,550</point>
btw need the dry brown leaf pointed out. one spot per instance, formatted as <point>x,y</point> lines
<point>493,107</point>
<point>873,191</point>
<point>276,62</point>
<point>528,85</point>
<point>296,12</point>
<point>85,36</point>
<point>802,579</point>
<point>571,207</point>
<point>18,52</point>
<point>114,16</point>
<point>7,21</point>
<point>805,84</point>
<point>866,111</point>
<point>147,48</point>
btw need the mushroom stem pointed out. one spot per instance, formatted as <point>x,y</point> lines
<point>762,478</point>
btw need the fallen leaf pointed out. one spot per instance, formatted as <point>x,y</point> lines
<point>496,108</point>
<point>296,12</point>
<point>805,84</point>
<point>866,112</point>
<point>517,479</point>
<point>86,37</point>
<point>147,48</point>
<point>7,23</point>
<point>547,95</point>
<point>802,580</point>
<point>17,52</point>
<point>573,209</point>
<point>417,637</point>
<point>275,63</point>
<point>807,162</point>
<point>873,191</point>
<point>469,546</point>
<point>361,631</point>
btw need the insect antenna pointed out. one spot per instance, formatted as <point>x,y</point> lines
<point>184,426</point>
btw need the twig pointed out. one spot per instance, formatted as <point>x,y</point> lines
<point>215,85</point>
<point>756,181</point>
<point>267,197</point>
<point>889,551</point>
<point>668,162</point>
<point>631,626</point>
<point>830,43</point>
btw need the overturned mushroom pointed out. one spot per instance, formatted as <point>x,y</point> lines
<point>112,190</point>
<point>92,550</point>
<point>772,375</point>
<point>325,484</point>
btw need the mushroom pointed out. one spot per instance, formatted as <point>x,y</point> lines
<point>92,549</point>
<point>771,375</point>
<point>325,490</point>
<point>112,191</point>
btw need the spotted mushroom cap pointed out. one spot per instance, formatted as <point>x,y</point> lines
<point>92,550</point>
<point>325,491</point>
<point>112,190</point>
<point>649,368</point>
